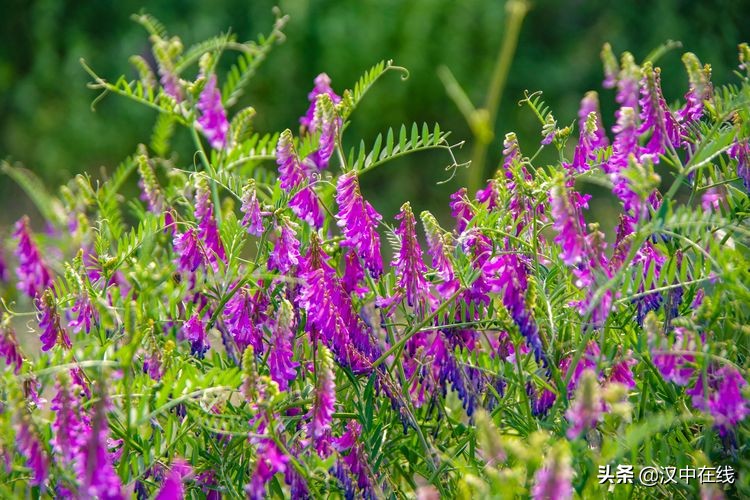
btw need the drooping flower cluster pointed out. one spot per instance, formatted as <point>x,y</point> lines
<point>321,413</point>
<point>723,398</point>
<point>359,221</point>
<point>322,87</point>
<point>408,261</point>
<point>253,217</point>
<point>195,332</point>
<point>33,276</point>
<point>213,117</point>
<point>208,231</point>
<point>293,176</point>
<point>553,480</point>
<point>280,360</point>
<point>9,348</point>
<point>49,322</point>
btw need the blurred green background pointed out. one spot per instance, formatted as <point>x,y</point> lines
<point>47,124</point>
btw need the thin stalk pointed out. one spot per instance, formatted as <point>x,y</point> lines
<point>516,11</point>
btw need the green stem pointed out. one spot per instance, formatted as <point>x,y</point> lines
<point>516,11</point>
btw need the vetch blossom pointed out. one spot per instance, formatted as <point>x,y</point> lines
<point>195,331</point>
<point>172,487</point>
<point>321,413</point>
<point>329,124</point>
<point>285,254</point>
<point>656,116</point>
<point>270,461</point>
<point>740,151</point>
<point>568,222</point>
<point>723,399</point>
<point>9,348</point>
<point>208,232</point>
<point>461,209</point>
<point>253,217</point>
<point>586,409</point>
<point>408,261</point>
<point>438,247</point>
<point>294,176</point>
<point>84,314</point>
<point>189,252</point>
<point>213,117</point>
<point>359,222</point>
<point>700,89</point>
<point>33,276</point>
<point>49,322</point>
<point>94,467</point>
<point>31,448</point>
<point>280,363</point>
<point>243,316</point>
<point>322,86</point>
<point>553,480</point>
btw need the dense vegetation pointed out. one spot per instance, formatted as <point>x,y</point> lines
<point>239,330</point>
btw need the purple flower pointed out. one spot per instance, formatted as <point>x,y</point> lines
<point>243,317</point>
<point>208,232</point>
<point>285,254</point>
<point>568,222</point>
<point>170,83</point>
<point>506,274</point>
<point>306,206</point>
<point>438,246</point>
<point>740,151</point>
<point>676,367</point>
<point>96,474</point>
<point>172,487</point>
<point>611,67</point>
<point>586,409</point>
<point>189,253</point>
<point>627,84</point>
<point>322,86</point>
<point>31,448</point>
<point>359,221</point>
<point>49,322</point>
<point>213,117</point>
<point>33,276</point>
<point>71,424</point>
<point>353,275</point>
<point>586,362</point>
<point>622,373</point>
<point>461,209</point>
<point>553,480</point>
<point>195,331</point>
<point>408,261</point>
<point>84,312</point>
<point>656,116</point>
<point>712,199</point>
<point>9,348</point>
<point>3,266</point>
<point>293,175</point>
<point>150,191</point>
<point>253,218</point>
<point>700,89</point>
<point>724,399</point>
<point>592,137</point>
<point>291,172</point>
<point>489,194</point>
<point>280,364</point>
<point>270,461</point>
<point>321,413</point>
<point>326,120</point>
